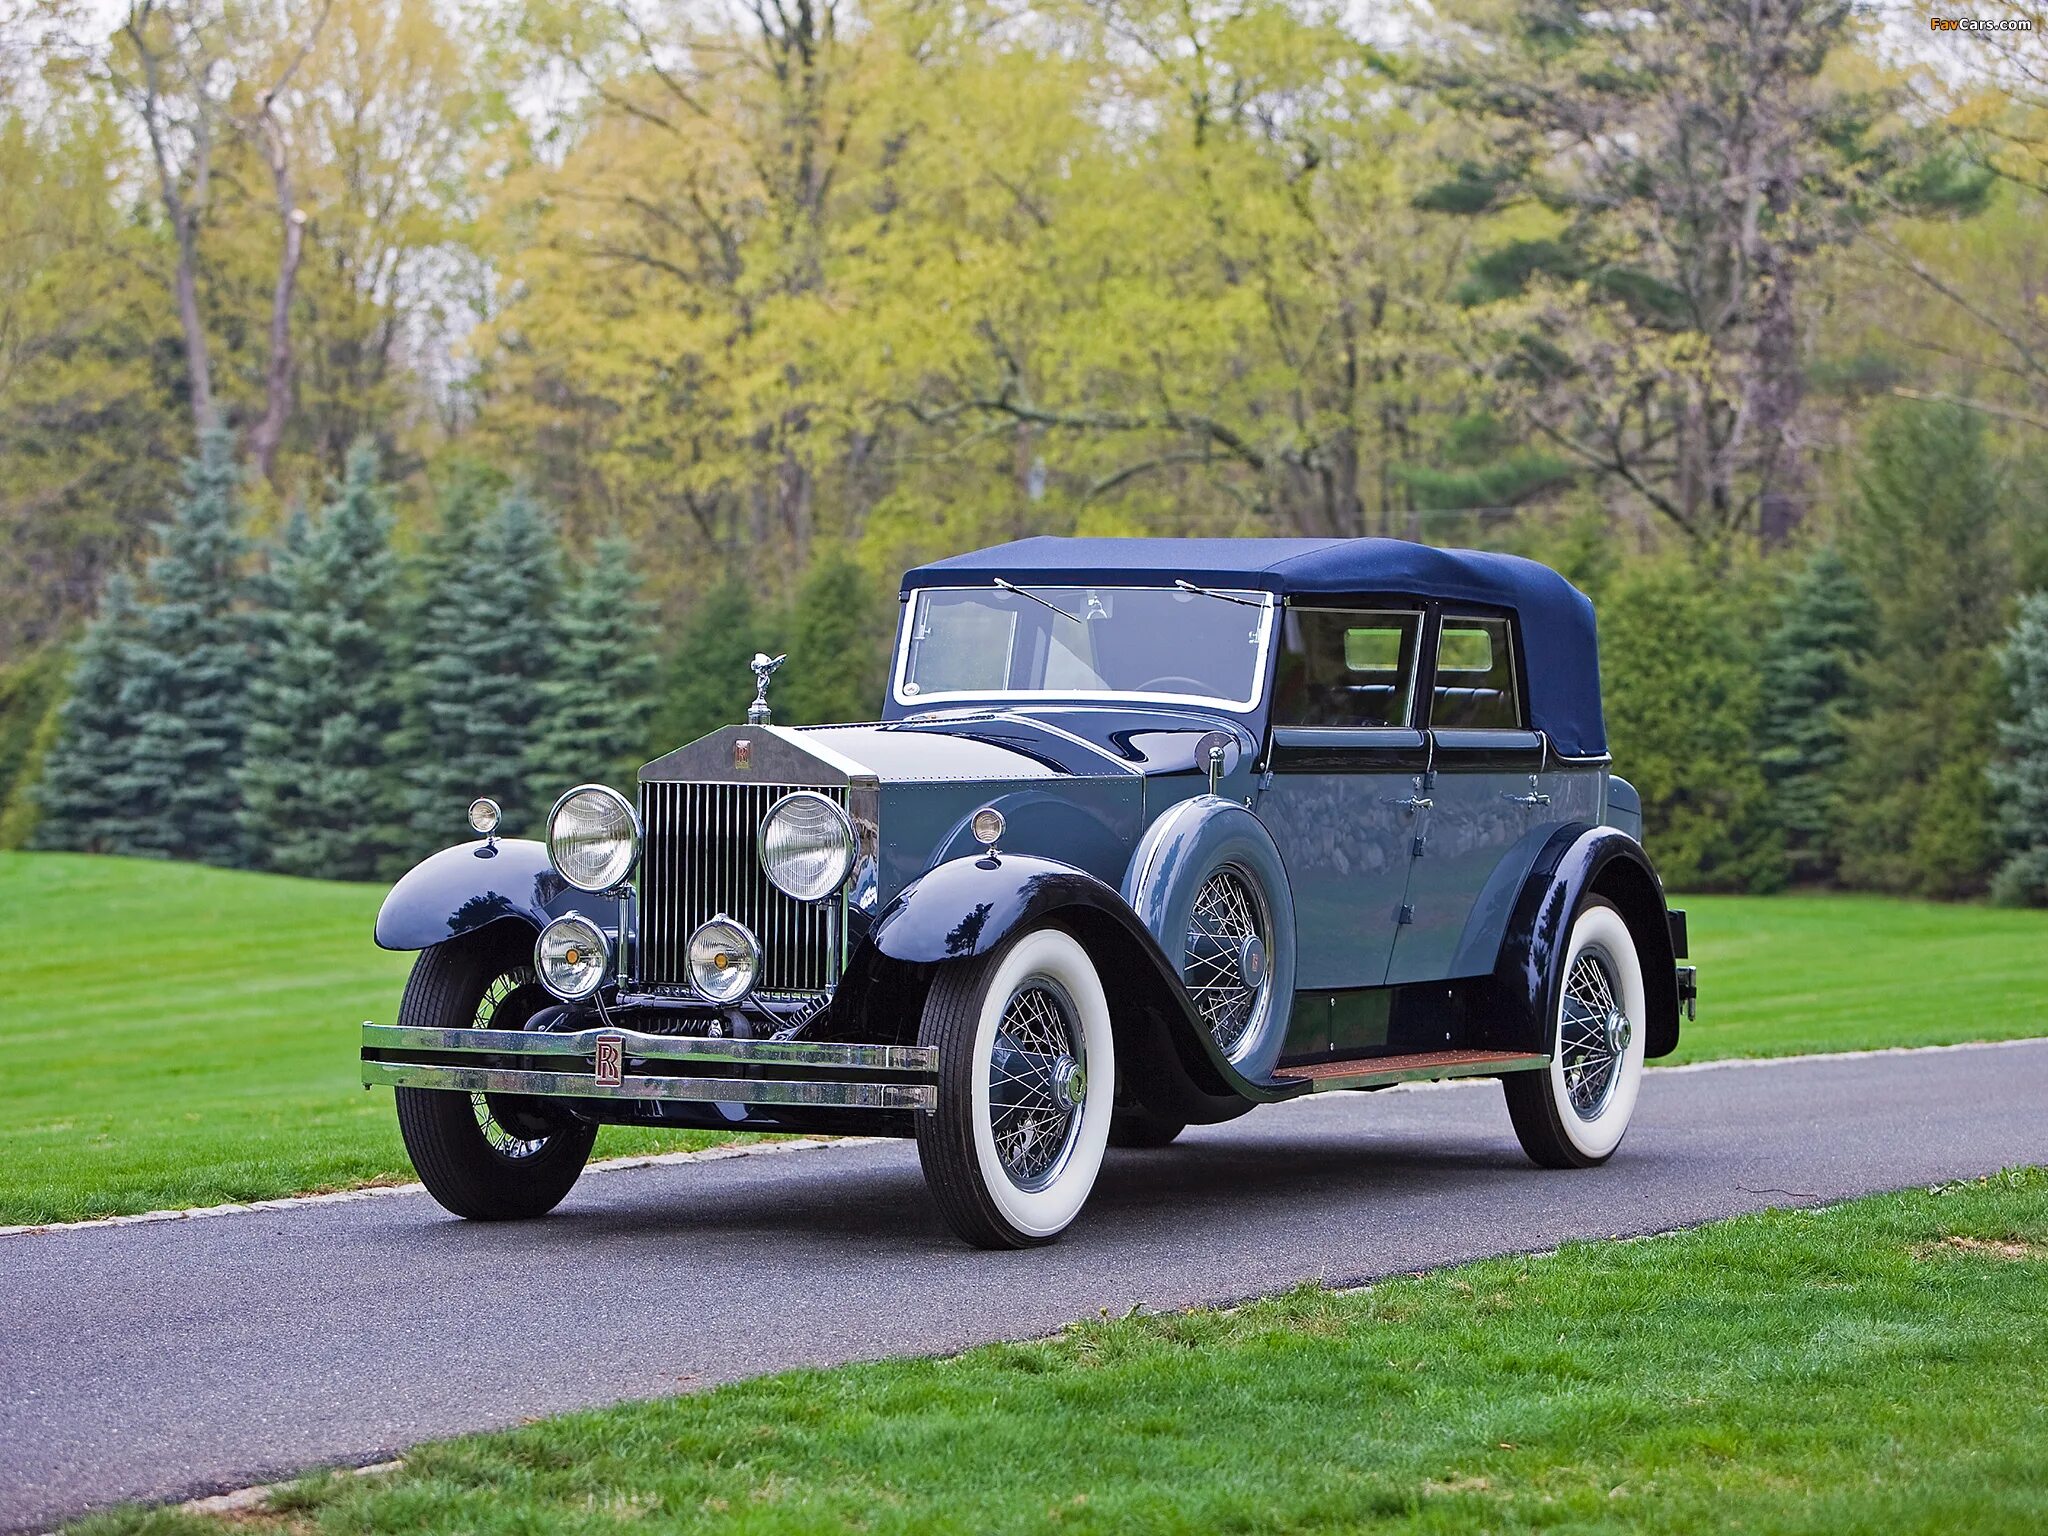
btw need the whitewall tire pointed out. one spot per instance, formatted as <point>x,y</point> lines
<point>1027,1082</point>
<point>1574,1113</point>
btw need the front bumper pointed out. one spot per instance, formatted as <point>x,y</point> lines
<point>616,1064</point>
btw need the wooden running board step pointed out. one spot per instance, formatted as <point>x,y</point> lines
<point>1378,1071</point>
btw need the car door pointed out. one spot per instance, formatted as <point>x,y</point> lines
<point>1485,798</point>
<point>1343,768</point>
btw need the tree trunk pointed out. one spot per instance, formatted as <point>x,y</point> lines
<point>268,435</point>
<point>198,364</point>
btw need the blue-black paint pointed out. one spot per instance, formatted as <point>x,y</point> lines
<point>1579,861</point>
<point>967,908</point>
<point>473,885</point>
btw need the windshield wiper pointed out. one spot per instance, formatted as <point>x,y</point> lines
<point>1221,597</point>
<point>1011,586</point>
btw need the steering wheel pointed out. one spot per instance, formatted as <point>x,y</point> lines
<point>1156,684</point>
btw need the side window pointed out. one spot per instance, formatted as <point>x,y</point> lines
<point>1475,676</point>
<point>1345,667</point>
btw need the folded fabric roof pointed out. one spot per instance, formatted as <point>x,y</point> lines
<point>1560,644</point>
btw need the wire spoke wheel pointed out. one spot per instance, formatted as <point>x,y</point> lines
<point>512,998</point>
<point>1226,959</point>
<point>1593,1033</point>
<point>1037,1081</point>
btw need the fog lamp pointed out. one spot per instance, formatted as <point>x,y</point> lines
<point>571,957</point>
<point>724,960</point>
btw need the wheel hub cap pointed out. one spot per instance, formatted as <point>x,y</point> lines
<point>1069,1081</point>
<point>1619,1032</point>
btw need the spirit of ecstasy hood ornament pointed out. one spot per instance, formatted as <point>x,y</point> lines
<point>764,667</point>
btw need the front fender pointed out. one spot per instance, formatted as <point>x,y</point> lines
<point>473,885</point>
<point>968,907</point>
<point>1579,861</point>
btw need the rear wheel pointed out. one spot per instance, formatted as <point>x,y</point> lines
<point>1573,1114</point>
<point>489,1157</point>
<point>1027,1076</point>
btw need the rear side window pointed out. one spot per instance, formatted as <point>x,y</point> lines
<point>1475,676</point>
<point>1346,667</point>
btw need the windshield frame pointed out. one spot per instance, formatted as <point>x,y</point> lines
<point>1266,602</point>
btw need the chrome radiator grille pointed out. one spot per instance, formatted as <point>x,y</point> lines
<point>699,860</point>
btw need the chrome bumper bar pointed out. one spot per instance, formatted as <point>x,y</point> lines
<point>391,1052</point>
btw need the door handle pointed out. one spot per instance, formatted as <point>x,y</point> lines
<point>1415,803</point>
<point>1532,798</point>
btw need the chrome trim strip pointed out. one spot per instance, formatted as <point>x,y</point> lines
<point>789,1053</point>
<point>1380,1079</point>
<point>712,1090</point>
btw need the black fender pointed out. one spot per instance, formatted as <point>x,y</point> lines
<point>1580,861</point>
<point>968,907</point>
<point>473,885</point>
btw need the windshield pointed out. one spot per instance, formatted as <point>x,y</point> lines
<point>1149,643</point>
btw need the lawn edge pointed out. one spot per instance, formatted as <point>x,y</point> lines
<point>378,1191</point>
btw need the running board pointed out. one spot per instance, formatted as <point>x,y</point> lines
<point>1379,1071</point>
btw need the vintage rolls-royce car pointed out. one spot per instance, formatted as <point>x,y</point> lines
<point>1151,832</point>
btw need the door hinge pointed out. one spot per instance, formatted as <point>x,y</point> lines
<point>1407,914</point>
<point>1415,848</point>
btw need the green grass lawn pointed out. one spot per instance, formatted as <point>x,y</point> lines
<point>177,1035</point>
<point>1785,974</point>
<point>1871,1368</point>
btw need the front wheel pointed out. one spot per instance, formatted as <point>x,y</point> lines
<point>488,1157</point>
<point>1027,1083</point>
<point>1573,1113</point>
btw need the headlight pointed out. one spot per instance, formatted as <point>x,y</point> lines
<point>571,956</point>
<point>724,960</point>
<point>806,846</point>
<point>593,837</point>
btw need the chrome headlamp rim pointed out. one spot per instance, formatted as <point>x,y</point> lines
<point>600,941</point>
<point>749,951</point>
<point>636,837</point>
<point>838,813</point>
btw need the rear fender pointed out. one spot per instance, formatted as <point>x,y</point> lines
<point>968,907</point>
<point>474,885</point>
<point>1577,862</point>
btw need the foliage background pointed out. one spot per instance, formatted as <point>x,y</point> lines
<point>610,341</point>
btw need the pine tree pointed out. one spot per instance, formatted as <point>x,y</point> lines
<point>487,651</point>
<point>596,705</point>
<point>2020,781</point>
<point>1824,630</point>
<point>1926,538</point>
<point>429,625</point>
<point>187,691</point>
<point>836,647</point>
<point>80,806</point>
<point>317,786</point>
<point>708,684</point>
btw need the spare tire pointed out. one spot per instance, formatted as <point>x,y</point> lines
<point>1209,884</point>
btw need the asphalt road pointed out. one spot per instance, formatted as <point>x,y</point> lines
<point>167,1360</point>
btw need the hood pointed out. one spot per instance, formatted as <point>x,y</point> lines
<point>959,746</point>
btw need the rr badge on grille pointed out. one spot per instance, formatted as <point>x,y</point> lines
<point>742,755</point>
<point>611,1061</point>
